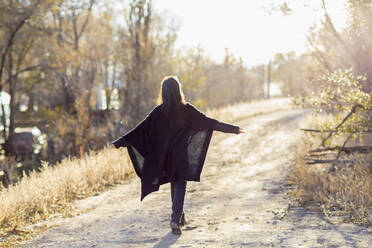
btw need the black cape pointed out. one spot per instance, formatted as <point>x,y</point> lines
<point>161,153</point>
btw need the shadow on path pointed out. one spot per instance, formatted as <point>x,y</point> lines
<point>166,241</point>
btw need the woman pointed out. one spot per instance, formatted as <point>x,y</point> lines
<point>170,145</point>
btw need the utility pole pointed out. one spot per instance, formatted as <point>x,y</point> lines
<point>260,73</point>
<point>268,79</point>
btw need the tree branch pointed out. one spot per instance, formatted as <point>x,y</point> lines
<point>10,43</point>
<point>336,34</point>
<point>91,4</point>
<point>332,131</point>
<point>339,152</point>
<point>360,149</point>
<point>328,161</point>
<point>352,111</point>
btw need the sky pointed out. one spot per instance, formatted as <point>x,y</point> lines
<point>248,28</point>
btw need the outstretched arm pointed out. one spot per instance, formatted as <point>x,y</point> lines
<point>137,136</point>
<point>213,123</point>
<point>227,128</point>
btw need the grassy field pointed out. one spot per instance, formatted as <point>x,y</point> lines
<point>40,195</point>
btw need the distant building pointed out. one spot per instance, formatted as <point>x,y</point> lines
<point>275,88</point>
<point>27,140</point>
<point>5,100</point>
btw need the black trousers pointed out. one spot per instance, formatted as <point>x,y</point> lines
<point>178,190</point>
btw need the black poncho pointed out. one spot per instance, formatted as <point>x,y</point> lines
<point>161,153</point>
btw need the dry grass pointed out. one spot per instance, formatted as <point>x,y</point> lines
<point>346,192</point>
<point>39,195</point>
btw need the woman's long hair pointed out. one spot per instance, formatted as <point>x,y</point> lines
<point>172,100</point>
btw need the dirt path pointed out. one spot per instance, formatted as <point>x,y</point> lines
<point>239,203</point>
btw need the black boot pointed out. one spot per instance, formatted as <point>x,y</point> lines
<point>176,228</point>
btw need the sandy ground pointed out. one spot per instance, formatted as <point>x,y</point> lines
<point>240,202</point>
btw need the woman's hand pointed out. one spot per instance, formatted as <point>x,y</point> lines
<point>241,130</point>
<point>113,146</point>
